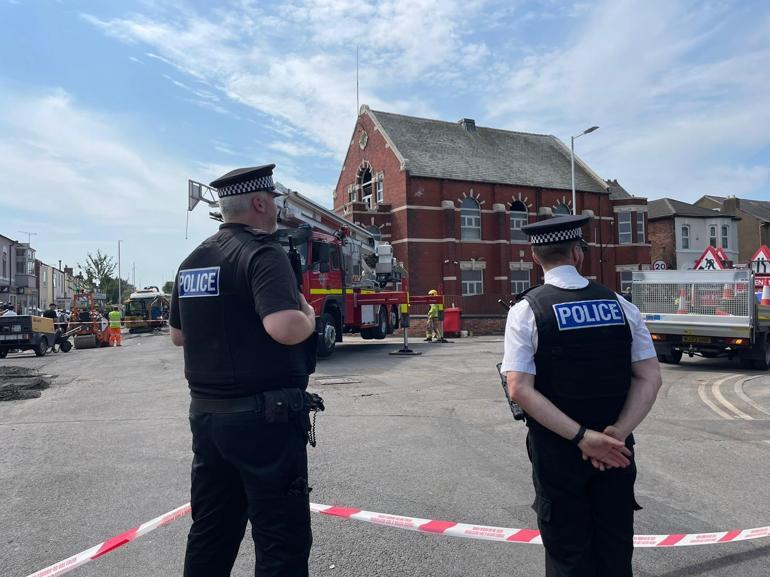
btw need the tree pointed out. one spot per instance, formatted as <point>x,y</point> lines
<point>98,270</point>
<point>168,287</point>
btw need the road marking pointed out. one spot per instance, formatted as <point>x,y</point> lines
<point>727,404</point>
<point>746,399</point>
<point>709,404</point>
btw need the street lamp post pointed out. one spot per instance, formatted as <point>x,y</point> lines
<point>572,163</point>
<point>119,287</point>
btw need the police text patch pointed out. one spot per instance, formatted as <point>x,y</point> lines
<point>588,314</point>
<point>198,282</point>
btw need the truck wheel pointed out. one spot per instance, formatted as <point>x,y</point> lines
<point>675,357</point>
<point>381,330</point>
<point>42,347</point>
<point>65,346</point>
<point>328,336</point>
<point>395,319</point>
<point>763,362</point>
<point>367,334</point>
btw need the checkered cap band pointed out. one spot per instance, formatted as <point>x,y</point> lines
<point>556,237</point>
<point>253,185</point>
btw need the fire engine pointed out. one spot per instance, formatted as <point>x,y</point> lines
<point>349,277</point>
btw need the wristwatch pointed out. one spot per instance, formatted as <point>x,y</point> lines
<point>580,434</point>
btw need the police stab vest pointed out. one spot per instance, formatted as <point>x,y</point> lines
<point>583,357</point>
<point>227,350</point>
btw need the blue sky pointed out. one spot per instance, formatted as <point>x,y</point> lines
<point>107,108</point>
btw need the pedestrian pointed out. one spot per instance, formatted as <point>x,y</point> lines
<point>9,311</point>
<point>581,363</point>
<point>51,313</point>
<point>115,337</point>
<point>249,346</point>
<point>433,326</point>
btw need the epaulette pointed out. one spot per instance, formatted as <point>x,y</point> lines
<point>522,294</point>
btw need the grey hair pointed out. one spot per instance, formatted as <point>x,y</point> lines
<point>234,206</point>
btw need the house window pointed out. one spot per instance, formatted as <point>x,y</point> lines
<point>625,278</point>
<point>44,276</point>
<point>470,220</point>
<point>624,228</point>
<point>519,218</point>
<point>366,185</point>
<point>725,234</point>
<point>713,235</point>
<point>640,227</point>
<point>561,208</point>
<point>473,282</point>
<point>519,281</point>
<point>352,193</point>
<point>685,234</point>
<point>380,190</point>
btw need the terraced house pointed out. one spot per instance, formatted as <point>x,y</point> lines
<point>452,197</point>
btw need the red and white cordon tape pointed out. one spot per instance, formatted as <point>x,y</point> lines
<point>449,528</point>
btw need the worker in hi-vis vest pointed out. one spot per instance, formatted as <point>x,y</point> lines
<point>114,318</point>
<point>433,328</point>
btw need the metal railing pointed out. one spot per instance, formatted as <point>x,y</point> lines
<point>720,293</point>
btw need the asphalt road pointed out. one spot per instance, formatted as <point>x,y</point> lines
<point>107,447</point>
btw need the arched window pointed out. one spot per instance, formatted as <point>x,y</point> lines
<point>366,185</point>
<point>374,231</point>
<point>470,220</point>
<point>685,235</point>
<point>519,218</point>
<point>561,208</point>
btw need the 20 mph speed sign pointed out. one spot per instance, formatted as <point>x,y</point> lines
<point>659,265</point>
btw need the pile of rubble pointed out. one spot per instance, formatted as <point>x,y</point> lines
<point>19,383</point>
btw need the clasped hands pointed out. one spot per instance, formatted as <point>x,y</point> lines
<point>605,450</point>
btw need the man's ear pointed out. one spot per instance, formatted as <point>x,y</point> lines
<point>535,259</point>
<point>257,203</point>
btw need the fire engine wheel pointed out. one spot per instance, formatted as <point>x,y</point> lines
<point>327,339</point>
<point>381,330</point>
<point>42,347</point>
<point>395,320</point>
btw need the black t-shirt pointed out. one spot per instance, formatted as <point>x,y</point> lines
<point>230,283</point>
<point>272,283</point>
<point>49,314</point>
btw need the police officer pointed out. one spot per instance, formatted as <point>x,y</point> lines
<point>245,330</point>
<point>581,364</point>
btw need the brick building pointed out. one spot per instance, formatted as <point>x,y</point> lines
<point>452,197</point>
<point>754,223</point>
<point>679,232</point>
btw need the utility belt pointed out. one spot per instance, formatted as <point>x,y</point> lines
<point>274,407</point>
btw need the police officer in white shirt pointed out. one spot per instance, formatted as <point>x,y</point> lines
<point>580,362</point>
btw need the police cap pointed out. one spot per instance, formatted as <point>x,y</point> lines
<point>556,230</point>
<point>245,180</point>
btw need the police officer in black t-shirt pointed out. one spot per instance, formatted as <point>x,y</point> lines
<point>248,338</point>
<point>580,362</point>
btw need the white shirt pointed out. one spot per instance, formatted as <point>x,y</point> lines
<point>521,329</point>
<point>9,313</point>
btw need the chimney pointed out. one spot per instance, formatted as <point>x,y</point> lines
<point>731,205</point>
<point>468,124</point>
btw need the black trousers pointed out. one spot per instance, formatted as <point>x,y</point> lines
<point>585,516</point>
<point>246,469</point>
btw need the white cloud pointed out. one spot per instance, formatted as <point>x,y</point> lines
<point>82,180</point>
<point>680,103</point>
<point>298,67</point>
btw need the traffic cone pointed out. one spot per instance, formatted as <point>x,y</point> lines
<point>765,300</point>
<point>727,291</point>
<point>681,308</point>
